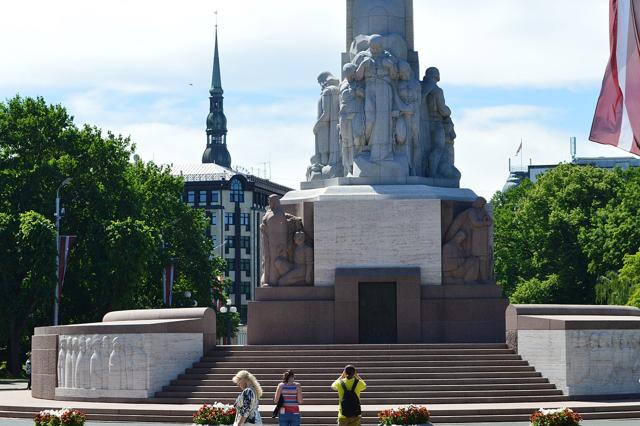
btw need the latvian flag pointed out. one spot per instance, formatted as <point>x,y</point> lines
<point>167,281</point>
<point>64,247</point>
<point>617,118</point>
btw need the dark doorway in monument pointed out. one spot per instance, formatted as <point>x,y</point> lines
<point>377,322</point>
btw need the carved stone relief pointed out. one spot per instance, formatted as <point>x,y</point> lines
<point>287,255</point>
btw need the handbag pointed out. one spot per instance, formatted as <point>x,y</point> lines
<point>279,405</point>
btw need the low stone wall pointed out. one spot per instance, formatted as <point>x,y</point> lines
<point>583,350</point>
<point>129,356</point>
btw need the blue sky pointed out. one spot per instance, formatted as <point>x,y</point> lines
<point>527,69</point>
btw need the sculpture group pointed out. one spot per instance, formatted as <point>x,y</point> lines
<point>102,362</point>
<point>380,121</point>
<point>466,252</point>
<point>287,257</point>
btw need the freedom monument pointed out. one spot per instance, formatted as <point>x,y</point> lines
<point>394,250</point>
<point>379,246</point>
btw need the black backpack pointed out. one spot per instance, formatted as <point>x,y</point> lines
<point>350,403</point>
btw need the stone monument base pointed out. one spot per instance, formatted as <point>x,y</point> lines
<point>466,313</point>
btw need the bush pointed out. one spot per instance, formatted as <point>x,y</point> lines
<point>536,291</point>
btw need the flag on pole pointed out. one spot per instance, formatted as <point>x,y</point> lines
<point>617,117</point>
<point>65,242</point>
<point>519,148</point>
<point>167,281</point>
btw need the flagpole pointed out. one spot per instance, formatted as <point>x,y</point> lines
<point>56,296</point>
<point>521,149</point>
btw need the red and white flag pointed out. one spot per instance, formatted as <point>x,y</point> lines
<point>167,281</point>
<point>617,118</point>
<point>64,247</point>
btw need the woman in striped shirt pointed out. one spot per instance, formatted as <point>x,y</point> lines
<point>291,393</point>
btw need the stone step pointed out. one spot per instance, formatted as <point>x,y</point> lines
<point>325,377</point>
<point>327,348</point>
<point>362,365</point>
<point>387,400</point>
<point>350,354</point>
<point>376,394</point>
<point>388,388</point>
<point>380,382</point>
<point>367,371</point>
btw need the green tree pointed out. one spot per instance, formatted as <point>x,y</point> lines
<point>552,228</point>
<point>537,291</point>
<point>621,288</point>
<point>129,216</point>
<point>27,280</point>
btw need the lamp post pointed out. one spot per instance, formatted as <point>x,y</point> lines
<point>231,310</point>
<point>56,298</point>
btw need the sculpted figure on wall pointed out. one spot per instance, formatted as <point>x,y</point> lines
<point>95,364</point>
<point>327,160</point>
<point>457,263</point>
<point>116,366</point>
<point>351,117</point>
<point>62,356</point>
<point>285,249</point>
<point>274,235</point>
<point>300,271</point>
<point>475,223</point>
<point>435,112</point>
<point>408,123</point>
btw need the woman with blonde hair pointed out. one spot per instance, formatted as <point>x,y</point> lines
<point>247,403</point>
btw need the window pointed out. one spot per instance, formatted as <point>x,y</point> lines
<point>214,218</point>
<point>244,218</point>
<point>245,265</point>
<point>228,219</point>
<point>237,194</point>
<point>215,197</point>
<point>230,242</point>
<point>245,243</point>
<point>191,197</point>
<point>202,200</point>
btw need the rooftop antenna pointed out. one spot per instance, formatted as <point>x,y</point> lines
<point>216,13</point>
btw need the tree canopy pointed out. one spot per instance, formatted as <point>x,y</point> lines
<point>556,239</point>
<point>128,216</point>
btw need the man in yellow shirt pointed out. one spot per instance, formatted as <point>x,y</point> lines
<point>349,385</point>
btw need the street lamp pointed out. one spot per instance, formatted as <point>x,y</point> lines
<point>56,298</point>
<point>232,310</point>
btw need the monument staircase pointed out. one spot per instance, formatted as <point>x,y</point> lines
<point>397,374</point>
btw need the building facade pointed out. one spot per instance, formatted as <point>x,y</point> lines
<point>234,202</point>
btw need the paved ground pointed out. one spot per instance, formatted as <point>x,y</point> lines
<point>632,422</point>
<point>6,384</point>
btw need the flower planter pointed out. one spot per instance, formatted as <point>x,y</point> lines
<point>216,414</point>
<point>410,415</point>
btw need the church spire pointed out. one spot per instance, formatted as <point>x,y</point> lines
<point>216,81</point>
<point>216,151</point>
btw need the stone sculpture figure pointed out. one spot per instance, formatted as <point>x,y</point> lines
<point>351,117</point>
<point>476,224</point>
<point>446,168</point>
<point>326,127</point>
<point>80,375</point>
<point>74,358</point>
<point>434,111</point>
<point>379,73</point>
<point>300,271</point>
<point>95,364</point>
<point>274,234</point>
<point>140,363</point>
<point>457,264</point>
<point>62,356</point>
<point>128,362</point>
<point>116,366</point>
<point>105,351</point>
<point>408,123</point>
<point>68,363</point>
